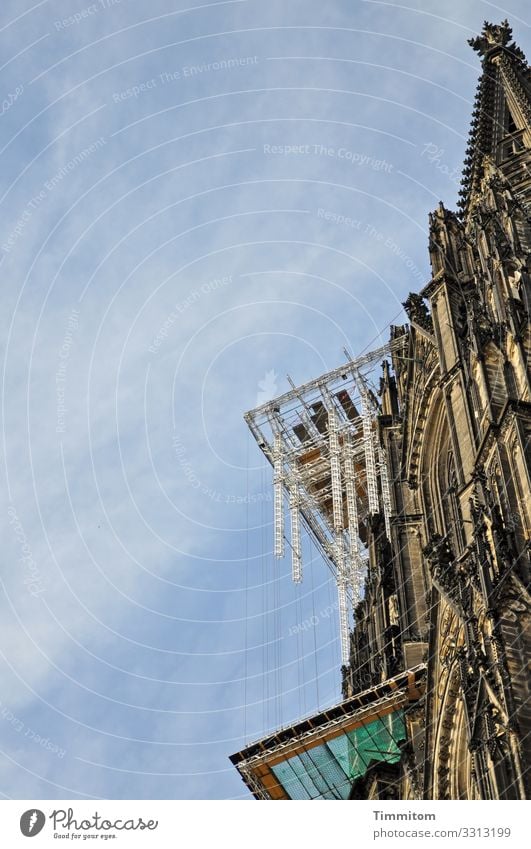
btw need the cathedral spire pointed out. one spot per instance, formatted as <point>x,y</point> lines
<point>499,132</point>
<point>494,37</point>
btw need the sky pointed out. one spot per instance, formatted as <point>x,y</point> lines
<point>197,199</point>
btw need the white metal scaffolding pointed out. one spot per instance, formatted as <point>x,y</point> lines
<point>344,630</point>
<point>335,471</point>
<point>321,439</point>
<point>386,495</point>
<point>278,486</point>
<point>356,571</point>
<point>368,446</point>
<point>296,554</point>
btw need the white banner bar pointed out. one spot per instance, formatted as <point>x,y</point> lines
<point>241,824</point>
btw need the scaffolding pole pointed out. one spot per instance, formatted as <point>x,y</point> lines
<point>342,598</point>
<point>355,562</point>
<point>296,555</point>
<point>335,470</point>
<point>368,445</point>
<point>386,495</point>
<point>278,506</point>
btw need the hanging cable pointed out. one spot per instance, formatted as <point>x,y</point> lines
<point>314,627</point>
<point>246,602</point>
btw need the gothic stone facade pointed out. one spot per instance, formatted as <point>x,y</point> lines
<point>451,585</point>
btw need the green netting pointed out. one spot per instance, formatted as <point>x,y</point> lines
<point>307,769</point>
<point>327,771</point>
<point>330,780</point>
<point>376,742</point>
<point>297,786</point>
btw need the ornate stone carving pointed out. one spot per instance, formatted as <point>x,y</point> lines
<point>493,35</point>
<point>440,559</point>
<point>496,37</point>
<point>417,311</point>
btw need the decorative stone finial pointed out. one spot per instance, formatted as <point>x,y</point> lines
<point>494,36</point>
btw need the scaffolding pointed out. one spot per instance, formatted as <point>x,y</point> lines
<point>296,556</point>
<point>278,485</point>
<point>321,439</point>
<point>319,757</point>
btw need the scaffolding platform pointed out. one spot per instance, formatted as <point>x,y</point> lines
<point>321,756</point>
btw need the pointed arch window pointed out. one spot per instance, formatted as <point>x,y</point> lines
<point>511,142</point>
<point>452,507</point>
<point>510,125</point>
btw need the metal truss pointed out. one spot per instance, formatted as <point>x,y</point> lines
<point>321,439</point>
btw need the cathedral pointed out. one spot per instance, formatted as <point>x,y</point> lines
<point>417,491</point>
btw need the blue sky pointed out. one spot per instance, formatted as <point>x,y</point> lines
<point>195,201</point>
